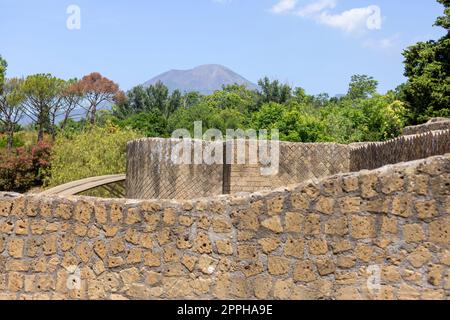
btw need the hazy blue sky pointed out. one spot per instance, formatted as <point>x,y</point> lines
<point>316,44</point>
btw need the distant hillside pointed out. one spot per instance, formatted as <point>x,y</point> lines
<point>205,79</point>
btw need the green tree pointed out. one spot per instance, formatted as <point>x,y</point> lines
<point>151,124</point>
<point>427,67</point>
<point>3,66</point>
<point>184,118</point>
<point>274,91</point>
<point>320,100</point>
<point>362,87</point>
<point>190,99</point>
<point>159,95</point>
<point>162,100</point>
<point>11,110</point>
<point>136,101</point>
<point>42,94</point>
<point>229,118</point>
<point>375,119</point>
<point>293,122</point>
<point>267,116</point>
<point>155,98</point>
<point>174,102</point>
<point>301,97</point>
<point>71,98</point>
<point>249,97</point>
<point>384,117</point>
<point>232,97</point>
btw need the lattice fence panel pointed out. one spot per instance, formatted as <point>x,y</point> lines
<point>407,148</point>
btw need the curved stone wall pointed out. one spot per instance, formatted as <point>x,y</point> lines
<point>324,239</point>
<point>151,173</point>
<point>432,125</point>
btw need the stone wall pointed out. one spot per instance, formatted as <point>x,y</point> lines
<point>432,125</point>
<point>152,175</point>
<point>323,239</point>
<point>407,148</point>
<point>298,162</point>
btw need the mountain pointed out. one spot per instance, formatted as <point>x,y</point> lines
<point>205,79</point>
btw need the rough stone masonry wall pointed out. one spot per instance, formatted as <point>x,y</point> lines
<point>316,240</point>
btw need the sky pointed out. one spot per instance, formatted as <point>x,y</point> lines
<point>315,44</point>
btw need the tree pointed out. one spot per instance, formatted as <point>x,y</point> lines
<point>375,119</point>
<point>267,116</point>
<point>190,99</point>
<point>300,96</point>
<point>184,118</point>
<point>248,97</point>
<point>427,67</point>
<point>3,66</point>
<point>229,118</point>
<point>444,21</point>
<point>320,100</point>
<point>274,91</point>
<point>161,100</point>
<point>153,99</point>
<point>232,97</point>
<point>96,90</point>
<point>42,93</point>
<point>71,98</point>
<point>174,102</point>
<point>362,87</point>
<point>137,100</point>
<point>293,123</point>
<point>11,111</point>
<point>59,107</point>
<point>151,124</point>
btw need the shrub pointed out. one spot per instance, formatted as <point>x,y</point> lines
<point>24,167</point>
<point>17,142</point>
<point>94,152</point>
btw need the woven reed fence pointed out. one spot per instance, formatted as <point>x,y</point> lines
<point>375,155</point>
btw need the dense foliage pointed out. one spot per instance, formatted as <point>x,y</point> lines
<point>25,167</point>
<point>427,66</point>
<point>361,115</point>
<point>95,151</point>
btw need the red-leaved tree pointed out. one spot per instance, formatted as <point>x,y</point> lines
<point>96,90</point>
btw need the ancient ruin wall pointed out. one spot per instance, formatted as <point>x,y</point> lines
<point>320,240</point>
<point>432,125</point>
<point>298,162</point>
<point>374,155</point>
<point>151,173</point>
